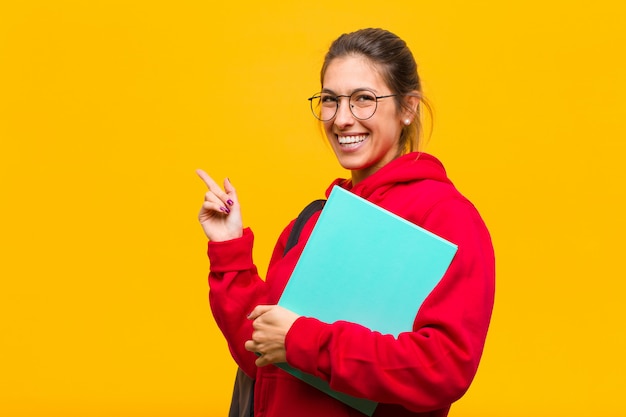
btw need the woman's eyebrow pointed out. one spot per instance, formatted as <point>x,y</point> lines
<point>329,91</point>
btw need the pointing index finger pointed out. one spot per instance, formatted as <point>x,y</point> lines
<point>212,185</point>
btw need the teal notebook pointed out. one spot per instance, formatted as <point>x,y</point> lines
<point>365,265</point>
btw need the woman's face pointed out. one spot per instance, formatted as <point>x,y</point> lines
<point>362,146</point>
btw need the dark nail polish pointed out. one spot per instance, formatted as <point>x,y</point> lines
<point>230,202</point>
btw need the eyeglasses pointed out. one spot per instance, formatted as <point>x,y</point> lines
<point>363,104</point>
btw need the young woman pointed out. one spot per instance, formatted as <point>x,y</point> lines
<point>370,107</point>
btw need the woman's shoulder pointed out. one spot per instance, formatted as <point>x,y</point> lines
<point>419,200</point>
<point>425,192</point>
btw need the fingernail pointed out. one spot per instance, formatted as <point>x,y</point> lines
<point>225,210</point>
<point>230,202</point>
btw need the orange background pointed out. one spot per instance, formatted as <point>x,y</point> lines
<point>107,108</point>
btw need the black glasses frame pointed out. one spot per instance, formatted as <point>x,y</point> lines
<point>319,95</point>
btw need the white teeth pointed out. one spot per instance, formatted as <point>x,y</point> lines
<point>345,140</point>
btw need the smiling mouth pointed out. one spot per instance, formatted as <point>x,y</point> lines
<point>351,141</point>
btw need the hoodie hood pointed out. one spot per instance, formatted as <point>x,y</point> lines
<point>414,166</point>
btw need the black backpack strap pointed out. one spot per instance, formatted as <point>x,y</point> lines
<point>242,402</point>
<point>303,217</point>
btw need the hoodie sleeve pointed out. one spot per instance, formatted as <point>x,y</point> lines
<point>235,288</point>
<point>433,365</point>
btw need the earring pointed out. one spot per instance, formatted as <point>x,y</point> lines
<point>407,122</point>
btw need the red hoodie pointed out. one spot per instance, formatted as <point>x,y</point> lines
<point>419,373</point>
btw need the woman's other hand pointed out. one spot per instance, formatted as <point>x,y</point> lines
<point>271,324</point>
<point>220,215</point>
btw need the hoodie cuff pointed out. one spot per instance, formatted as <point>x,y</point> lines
<point>305,347</point>
<point>232,255</point>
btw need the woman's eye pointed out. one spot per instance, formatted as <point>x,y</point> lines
<point>329,99</point>
<point>364,98</point>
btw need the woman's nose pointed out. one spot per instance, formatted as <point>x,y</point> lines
<point>344,116</point>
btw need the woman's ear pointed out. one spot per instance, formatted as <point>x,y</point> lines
<point>411,103</point>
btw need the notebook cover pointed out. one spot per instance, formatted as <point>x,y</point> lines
<point>365,265</point>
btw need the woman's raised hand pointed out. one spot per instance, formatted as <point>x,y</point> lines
<point>220,215</point>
